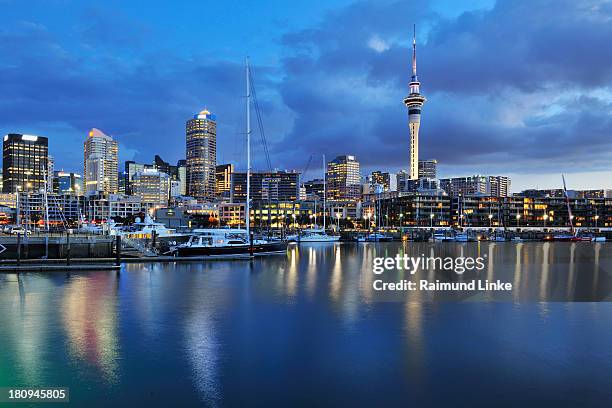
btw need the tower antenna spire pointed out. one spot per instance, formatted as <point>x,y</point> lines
<point>414,74</point>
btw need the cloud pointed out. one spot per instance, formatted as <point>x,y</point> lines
<point>519,87</point>
<point>509,88</point>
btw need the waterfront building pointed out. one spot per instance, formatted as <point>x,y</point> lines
<point>343,178</point>
<point>414,102</point>
<point>152,186</point>
<point>533,212</point>
<point>410,210</point>
<point>497,186</point>
<point>597,193</point>
<point>68,183</point>
<point>428,169</point>
<point>232,214</point>
<point>24,163</point>
<point>266,186</point>
<point>101,206</point>
<point>345,210</point>
<point>223,179</point>
<point>473,185</point>
<point>100,163</point>
<point>201,154</point>
<point>64,210</point>
<point>174,217</point>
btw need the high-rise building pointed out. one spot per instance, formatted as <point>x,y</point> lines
<point>165,167</point>
<point>50,172</point>
<point>181,166</point>
<point>343,178</point>
<point>224,180</point>
<point>131,168</point>
<point>201,149</point>
<point>100,163</point>
<point>266,186</point>
<point>414,101</point>
<point>68,183</point>
<point>152,186</point>
<point>428,169</point>
<point>25,163</point>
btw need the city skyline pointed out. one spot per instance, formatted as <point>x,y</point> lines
<point>506,112</point>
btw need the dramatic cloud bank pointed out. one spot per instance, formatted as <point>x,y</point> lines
<point>520,87</point>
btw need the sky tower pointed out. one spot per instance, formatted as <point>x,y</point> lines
<point>414,101</point>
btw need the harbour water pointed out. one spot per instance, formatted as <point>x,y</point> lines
<point>307,328</point>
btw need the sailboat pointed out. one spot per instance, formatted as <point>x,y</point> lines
<point>319,234</point>
<point>224,241</point>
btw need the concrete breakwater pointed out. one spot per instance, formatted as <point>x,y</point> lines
<point>56,247</point>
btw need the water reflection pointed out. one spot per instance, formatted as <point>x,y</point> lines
<point>222,331</point>
<point>89,314</point>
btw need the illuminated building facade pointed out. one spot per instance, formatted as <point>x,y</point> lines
<point>24,163</point>
<point>343,179</point>
<point>152,186</point>
<point>224,180</point>
<point>201,156</point>
<point>68,183</point>
<point>266,186</point>
<point>100,163</point>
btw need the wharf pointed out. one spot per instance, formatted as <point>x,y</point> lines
<point>84,264</point>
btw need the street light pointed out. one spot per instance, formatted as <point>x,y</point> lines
<point>431,217</point>
<point>490,220</point>
<point>545,217</point>
<point>518,218</point>
<point>338,217</point>
<point>400,217</point>
<point>596,218</point>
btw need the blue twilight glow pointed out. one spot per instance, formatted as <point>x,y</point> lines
<point>512,88</point>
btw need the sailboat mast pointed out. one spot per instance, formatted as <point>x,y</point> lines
<point>324,193</point>
<point>248,138</point>
<point>569,209</point>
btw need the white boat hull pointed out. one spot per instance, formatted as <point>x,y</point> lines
<point>321,238</point>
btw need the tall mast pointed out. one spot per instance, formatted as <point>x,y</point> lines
<point>324,193</point>
<point>248,137</point>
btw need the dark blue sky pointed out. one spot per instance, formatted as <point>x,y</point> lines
<point>513,87</point>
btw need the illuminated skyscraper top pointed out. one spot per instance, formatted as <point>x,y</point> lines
<point>414,101</point>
